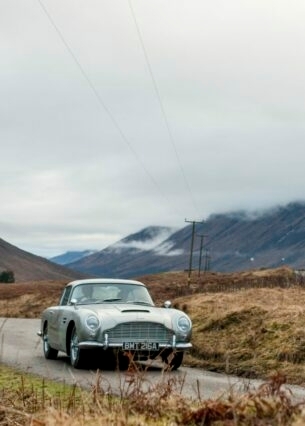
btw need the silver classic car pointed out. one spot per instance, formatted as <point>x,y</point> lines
<point>110,322</point>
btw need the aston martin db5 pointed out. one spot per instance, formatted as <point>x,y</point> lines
<point>113,321</point>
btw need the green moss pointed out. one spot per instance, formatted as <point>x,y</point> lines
<point>36,390</point>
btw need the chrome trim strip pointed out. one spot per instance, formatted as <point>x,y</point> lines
<point>174,340</point>
<point>106,344</point>
<point>93,344</point>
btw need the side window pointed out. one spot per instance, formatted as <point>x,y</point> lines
<point>65,296</point>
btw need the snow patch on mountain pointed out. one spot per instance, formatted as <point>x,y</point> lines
<point>165,249</point>
<point>149,239</point>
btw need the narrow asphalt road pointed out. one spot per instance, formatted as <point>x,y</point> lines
<point>20,347</point>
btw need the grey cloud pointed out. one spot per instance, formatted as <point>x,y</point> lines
<point>231,79</point>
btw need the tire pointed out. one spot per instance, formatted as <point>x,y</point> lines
<point>173,360</point>
<point>123,361</point>
<point>49,352</point>
<point>77,355</point>
<point>106,359</point>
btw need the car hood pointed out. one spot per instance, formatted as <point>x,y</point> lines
<point>112,314</point>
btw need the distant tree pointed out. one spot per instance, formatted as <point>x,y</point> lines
<point>7,277</point>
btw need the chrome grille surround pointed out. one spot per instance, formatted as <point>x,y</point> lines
<point>138,331</point>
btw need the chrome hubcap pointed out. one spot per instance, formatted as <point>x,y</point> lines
<point>74,347</point>
<point>45,343</point>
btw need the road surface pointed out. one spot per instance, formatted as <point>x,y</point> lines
<point>21,347</point>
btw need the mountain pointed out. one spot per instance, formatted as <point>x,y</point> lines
<point>29,267</point>
<point>129,256</point>
<point>232,241</point>
<point>71,256</point>
<point>240,241</point>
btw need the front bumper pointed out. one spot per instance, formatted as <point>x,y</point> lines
<point>90,344</point>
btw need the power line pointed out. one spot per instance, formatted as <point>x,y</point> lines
<point>157,92</point>
<point>100,100</point>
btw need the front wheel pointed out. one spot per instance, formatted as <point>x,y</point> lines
<point>123,361</point>
<point>49,352</point>
<point>77,355</point>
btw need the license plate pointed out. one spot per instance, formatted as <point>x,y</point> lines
<point>141,346</point>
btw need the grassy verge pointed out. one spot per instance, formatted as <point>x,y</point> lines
<point>28,400</point>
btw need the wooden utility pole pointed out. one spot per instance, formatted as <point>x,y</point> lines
<point>207,260</point>
<point>192,248</point>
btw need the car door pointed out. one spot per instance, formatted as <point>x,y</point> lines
<point>58,319</point>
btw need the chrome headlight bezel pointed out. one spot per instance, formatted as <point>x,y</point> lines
<point>92,323</point>
<point>184,324</point>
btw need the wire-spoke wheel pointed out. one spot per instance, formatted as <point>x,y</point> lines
<point>49,352</point>
<point>77,356</point>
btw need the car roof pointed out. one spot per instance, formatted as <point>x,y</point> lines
<point>104,281</point>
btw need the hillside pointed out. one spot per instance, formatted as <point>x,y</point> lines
<point>233,242</point>
<point>135,254</point>
<point>71,256</point>
<point>27,266</point>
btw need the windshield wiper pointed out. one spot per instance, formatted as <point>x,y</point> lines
<point>140,302</point>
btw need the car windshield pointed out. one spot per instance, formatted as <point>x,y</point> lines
<point>111,293</point>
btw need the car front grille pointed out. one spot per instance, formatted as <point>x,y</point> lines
<point>139,332</point>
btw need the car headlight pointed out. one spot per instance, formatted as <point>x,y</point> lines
<point>184,324</point>
<point>92,322</point>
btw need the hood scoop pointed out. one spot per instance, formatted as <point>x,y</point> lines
<point>135,310</point>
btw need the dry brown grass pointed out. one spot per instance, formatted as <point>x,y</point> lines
<point>28,299</point>
<point>26,401</point>
<point>251,332</point>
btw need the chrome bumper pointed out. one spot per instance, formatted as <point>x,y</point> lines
<point>89,344</point>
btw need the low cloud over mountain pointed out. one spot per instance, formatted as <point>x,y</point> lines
<point>232,242</point>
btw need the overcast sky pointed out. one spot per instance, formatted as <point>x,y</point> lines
<point>116,115</point>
